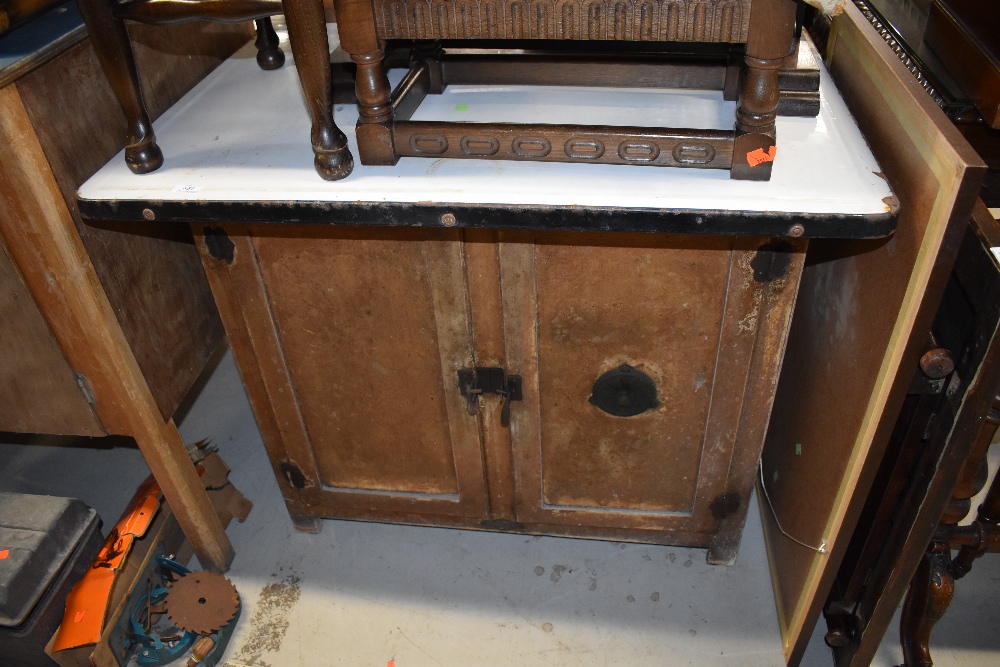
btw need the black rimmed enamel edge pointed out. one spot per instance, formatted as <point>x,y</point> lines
<point>499,216</point>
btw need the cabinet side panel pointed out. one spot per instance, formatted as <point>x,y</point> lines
<point>38,393</point>
<point>153,278</point>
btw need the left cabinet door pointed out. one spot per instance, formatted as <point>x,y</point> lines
<point>356,336</point>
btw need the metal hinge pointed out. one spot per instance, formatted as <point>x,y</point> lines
<point>88,394</point>
<point>219,245</point>
<point>293,475</point>
<point>474,382</point>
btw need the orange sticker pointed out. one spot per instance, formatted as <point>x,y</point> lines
<point>79,616</point>
<point>4,553</point>
<point>758,156</point>
<point>391,663</point>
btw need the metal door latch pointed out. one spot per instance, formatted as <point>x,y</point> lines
<point>474,382</point>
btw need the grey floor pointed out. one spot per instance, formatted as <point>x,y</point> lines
<point>370,595</point>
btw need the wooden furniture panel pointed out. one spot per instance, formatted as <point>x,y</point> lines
<point>355,337</point>
<point>359,335</point>
<point>152,279</point>
<point>374,328</point>
<point>683,310</point>
<point>51,401</point>
<point>853,331</point>
<point>646,20</point>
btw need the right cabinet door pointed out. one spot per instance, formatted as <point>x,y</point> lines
<point>681,315</point>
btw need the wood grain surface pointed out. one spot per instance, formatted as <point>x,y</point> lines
<point>152,278</point>
<point>38,390</point>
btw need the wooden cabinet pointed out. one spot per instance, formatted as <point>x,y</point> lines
<point>358,336</point>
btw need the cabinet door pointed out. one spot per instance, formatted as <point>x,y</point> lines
<point>359,334</point>
<point>685,311</point>
<point>859,329</point>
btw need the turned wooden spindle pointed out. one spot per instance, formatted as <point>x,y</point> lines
<point>356,27</point>
<point>933,586</point>
<point>772,22</point>
<point>306,21</point>
<point>269,53</point>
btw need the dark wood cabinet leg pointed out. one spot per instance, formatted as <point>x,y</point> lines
<point>114,51</point>
<point>771,32</point>
<point>310,47</point>
<point>926,602</point>
<point>933,585</point>
<point>356,24</point>
<point>269,54</point>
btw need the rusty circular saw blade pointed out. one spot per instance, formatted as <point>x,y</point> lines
<point>202,602</point>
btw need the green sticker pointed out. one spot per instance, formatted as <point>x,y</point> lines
<point>461,107</point>
<point>798,449</point>
<point>775,476</point>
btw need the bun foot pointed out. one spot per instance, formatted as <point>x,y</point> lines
<point>334,165</point>
<point>269,54</point>
<point>144,159</point>
<point>271,59</point>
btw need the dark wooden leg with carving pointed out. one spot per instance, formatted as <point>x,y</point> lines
<point>357,36</point>
<point>269,54</point>
<point>988,532</point>
<point>114,51</point>
<point>926,602</point>
<point>933,584</point>
<point>769,40</point>
<point>310,47</point>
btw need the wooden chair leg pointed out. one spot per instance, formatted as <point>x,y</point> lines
<point>310,47</point>
<point>769,40</point>
<point>114,51</point>
<point>356,24</point>
<point>269,54</point>
<point>931,591</point>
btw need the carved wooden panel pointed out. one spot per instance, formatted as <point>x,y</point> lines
<point>618,20</point>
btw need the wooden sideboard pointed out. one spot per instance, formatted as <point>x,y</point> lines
<point>105,330</point>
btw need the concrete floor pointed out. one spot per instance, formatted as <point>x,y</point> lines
<point>370,595</point>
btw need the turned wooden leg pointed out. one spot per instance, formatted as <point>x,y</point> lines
<point>114,51</point>
<point>769,40</point>
<point>307,34</point>
<point>269,54</point>
<point>934,583</point>
<point>356,24</point>
<point>926,602</point>
<point>988,515</point>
